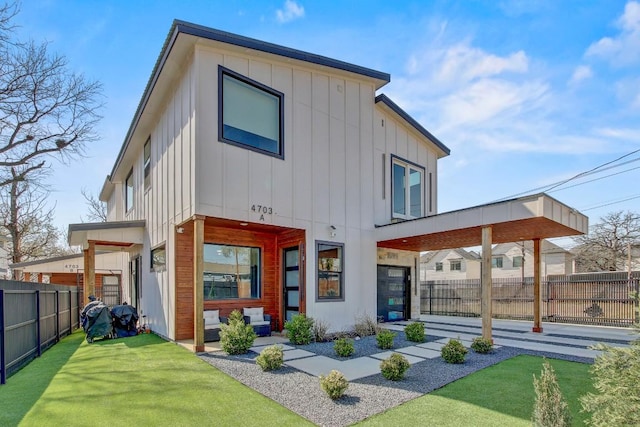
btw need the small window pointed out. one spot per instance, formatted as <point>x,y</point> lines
<point>158,258</point>
<point>496,262</point>
<point>147,163</point>
<point>128,199</point>
<point>518,261</point>
<point>407,184</point>
<point>251,114</point>
<point>438,266</point>
<point>455,265</point>
<point>330,260</point>
<point>231,272</point>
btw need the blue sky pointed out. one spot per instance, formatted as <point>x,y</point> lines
<point>525,93</point>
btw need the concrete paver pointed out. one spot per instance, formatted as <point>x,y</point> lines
<point>296,354</point>
<point>419,351</point>
<point>386,354</point>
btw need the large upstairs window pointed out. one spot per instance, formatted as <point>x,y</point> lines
<point>250,114</point>
<point>407,184</point>
<point>128,192</point>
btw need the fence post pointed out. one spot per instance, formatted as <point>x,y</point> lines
<point>637,301</point>
<point>3,362</point>
<point>70,313</point>
<point>39,352</point>
<point>57,316</point>
<point>430,298</point>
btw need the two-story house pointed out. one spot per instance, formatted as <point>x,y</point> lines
<point>255,175</point>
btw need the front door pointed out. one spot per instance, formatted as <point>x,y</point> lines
<point>393,293</point>
<point>291,281</point>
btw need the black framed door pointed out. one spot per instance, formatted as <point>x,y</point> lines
<point>393,293</point>
<point>291,282</point>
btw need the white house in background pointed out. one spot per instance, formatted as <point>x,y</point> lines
<point>450,264</point>
<point>255,175</point>
<point>5,273</point>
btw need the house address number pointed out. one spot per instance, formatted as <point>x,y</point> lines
<point>262,210</point>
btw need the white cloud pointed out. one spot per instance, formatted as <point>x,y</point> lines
<point>290,11</point>
<point>623,49</point>
<point>582,72</point>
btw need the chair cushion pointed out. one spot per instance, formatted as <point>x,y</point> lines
<point>260,323</point>
<point>211,317</point>
<point>255,314</point>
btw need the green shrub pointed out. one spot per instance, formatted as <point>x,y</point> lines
<point>385,339</point>
<point>550,410</point>
<point>334,384</point>
<point>320,330</point>
<point>271,358</point>
<point>453,352</point>
<point>344,347</point>
<point>482,345</point>
<point>394,367</point>
<point>366,326</point>
<point>236,337</point>
<point>415,331</point>
<point>299,329</point>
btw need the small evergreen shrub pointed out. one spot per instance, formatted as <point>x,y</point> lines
<point>550,410</point>
<point>271,358</point>
<point>415,331</point>
<point>299,329</point>
<point>394,367</point>
<point>482,345</point>
<point>366,326</point>
<point>334,384</point>
<point>385,339</point>
<point>453,352</point>
<point>344,347</point>
<point>320,330</point>
<point>236,337</point>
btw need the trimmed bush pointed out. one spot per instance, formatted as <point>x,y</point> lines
<point>299,329</point>
<point>236,337</point>
<point>415,331</point>
<point>320,330</point>
<point>394,367</point>
<point>551,410</point>
<point>344,347</point>
<point>366,326</point>
<point>385,339</point>
<point>271,358</point>
<point>453,352</point>
<point>334,384</point>
<point>482,345</point>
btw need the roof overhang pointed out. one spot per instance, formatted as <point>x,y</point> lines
<point>107,236</point>
<point>526,218</point>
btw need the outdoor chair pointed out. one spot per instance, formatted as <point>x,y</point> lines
<point>260,322</point>
<point>212,321</point>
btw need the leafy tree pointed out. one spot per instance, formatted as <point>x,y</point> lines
<point>46,111</point>
<point>606,246</point>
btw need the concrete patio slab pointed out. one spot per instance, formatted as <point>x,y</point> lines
<point>385,355</point>
<point>434,345</point>
<point>419,351</point>
<point>296,354</point>
<point>259,348</point>
<point>352,369</point>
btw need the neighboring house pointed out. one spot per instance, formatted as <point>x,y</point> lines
<point>5,273</point>
<point>254,175</point>
<point>450,264</point>
<point>68,270</point>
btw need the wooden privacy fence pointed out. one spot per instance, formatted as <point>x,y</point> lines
<point>33,317</point>
<point>606,299</point>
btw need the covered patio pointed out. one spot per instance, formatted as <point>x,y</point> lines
<point>532,218</point>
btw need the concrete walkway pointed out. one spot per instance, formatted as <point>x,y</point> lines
<point>573,340</point>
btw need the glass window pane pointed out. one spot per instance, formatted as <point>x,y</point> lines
<point>398,183</point>
<point>129,191</point>
<point>330,265</point>
<point>292,278</point>
<point>291,259</point>
<point>293,298</point>
<point>231,272</point>
<point>415,192</point>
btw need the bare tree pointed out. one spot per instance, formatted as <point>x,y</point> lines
<point>97,210</point>
<point>28,221</point>
<point>45,109</point>
<point>606,246</point>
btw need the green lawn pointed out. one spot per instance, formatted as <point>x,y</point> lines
<point>501,395</point>
<point>141,380</point>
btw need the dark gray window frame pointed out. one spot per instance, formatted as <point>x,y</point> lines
<point>162,267</point>
<point>127,208</point>
<point>259,272</point>
<point>222,71</point>
<point>408,163</point>
<point>340,297</point>
<point>147,163</point>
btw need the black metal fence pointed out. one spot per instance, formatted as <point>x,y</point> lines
<point>606,299</point>
<point>33,317</point>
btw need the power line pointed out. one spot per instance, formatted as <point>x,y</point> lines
<point>637,196</point>
<point>595,179</point>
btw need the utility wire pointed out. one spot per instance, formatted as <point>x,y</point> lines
<point>637,196</point>
<point>595,179</point>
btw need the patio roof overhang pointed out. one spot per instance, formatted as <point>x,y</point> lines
<point>107,236</point>
<point>526,218</point>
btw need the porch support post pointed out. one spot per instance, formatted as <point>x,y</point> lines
<point>537,298</point>
<point>198,284</point>
<point>89,275</point>
<point>485,283</point>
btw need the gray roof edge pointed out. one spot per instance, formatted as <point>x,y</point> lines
<point>52,259</point>
<point>109,225</point>
<point>184,27</point>
<point>399,111</point>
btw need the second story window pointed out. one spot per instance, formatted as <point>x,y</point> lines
<point>455,265</point>
<point>518,261</point>
<point>496,262</point>
<point>407,186</point>
<point>147,163</point>
<point>128,192</point>
<point>438,266</point>
<point>250,114</point>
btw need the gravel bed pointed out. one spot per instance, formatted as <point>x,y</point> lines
<point>301,393</point>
